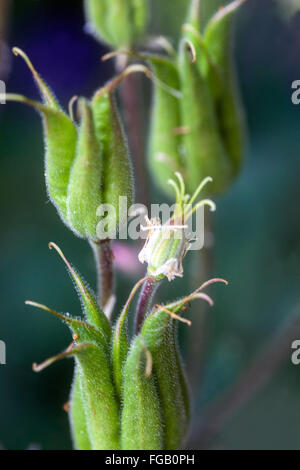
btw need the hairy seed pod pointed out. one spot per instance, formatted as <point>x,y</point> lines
<point>141,425</point>
<point>117,175</point>
<point>204,150</point>
<point>219,69</point>
<point>98,395</point>
<point>92,425</point>
<point>84,190</point>
<point>165,140</point>
<point>159,331</point>
<point>119,23</point>
<point>80,436</point>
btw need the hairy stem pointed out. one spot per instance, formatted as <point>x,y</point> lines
<point>148,290</point>
<point>105,272</point>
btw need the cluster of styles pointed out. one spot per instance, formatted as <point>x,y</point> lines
<point>131,392</point>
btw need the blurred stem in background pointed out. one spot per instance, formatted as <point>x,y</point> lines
<point>132,107</point>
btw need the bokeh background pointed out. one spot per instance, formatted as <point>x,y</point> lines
<point>256,232</point>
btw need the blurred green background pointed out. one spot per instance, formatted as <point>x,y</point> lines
<point>256,228</point>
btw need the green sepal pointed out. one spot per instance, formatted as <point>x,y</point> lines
<point>84,190</point>
<point>220,72</point>
<point>93,313</point>
<point>165,142</point>
<point>141,423</point>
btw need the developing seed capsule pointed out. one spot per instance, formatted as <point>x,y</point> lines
<point>219,69</point>
<point>119,23</point>
<point>165,142</point>
<point>141,423</point>
<point>84,189</point>
<point>160,333</point>
<point>117,175</point>
<point>167,245</point>
<point>94,411</point>
<point>204,150</point>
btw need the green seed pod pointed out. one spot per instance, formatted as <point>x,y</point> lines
<point>159,331</point>
<point>165,141</point>
<point>119,23</point>
<point>92,312</point>
<point>117,175</point>
<point>120,345</point>
<point>98,395</point>
<point>204,150</point>
<point>84,190</point>
<point>80,435</point>
<point>219,69</point>
<point>94,412</point>
<point>60,138</point>
<point>92,424</point>
<point>141,425</point>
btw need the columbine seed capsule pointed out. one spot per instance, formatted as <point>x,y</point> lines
<point>165,140</point>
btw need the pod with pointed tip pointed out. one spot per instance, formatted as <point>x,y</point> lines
<point>141,423</point>
<point>117,175</point>
<point>60,139</point>
<point>205,154</point>
<point>220,72</point>
<point>160,333</point>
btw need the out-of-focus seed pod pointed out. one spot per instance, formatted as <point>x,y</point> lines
<point>117,176</point>
<point>84,190</point>
<point>160,334</point>
<point>219,69</point>
<point>165,140</point>
<point>141,424</point>
<point>119,23</point>
<point>204,150</point>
